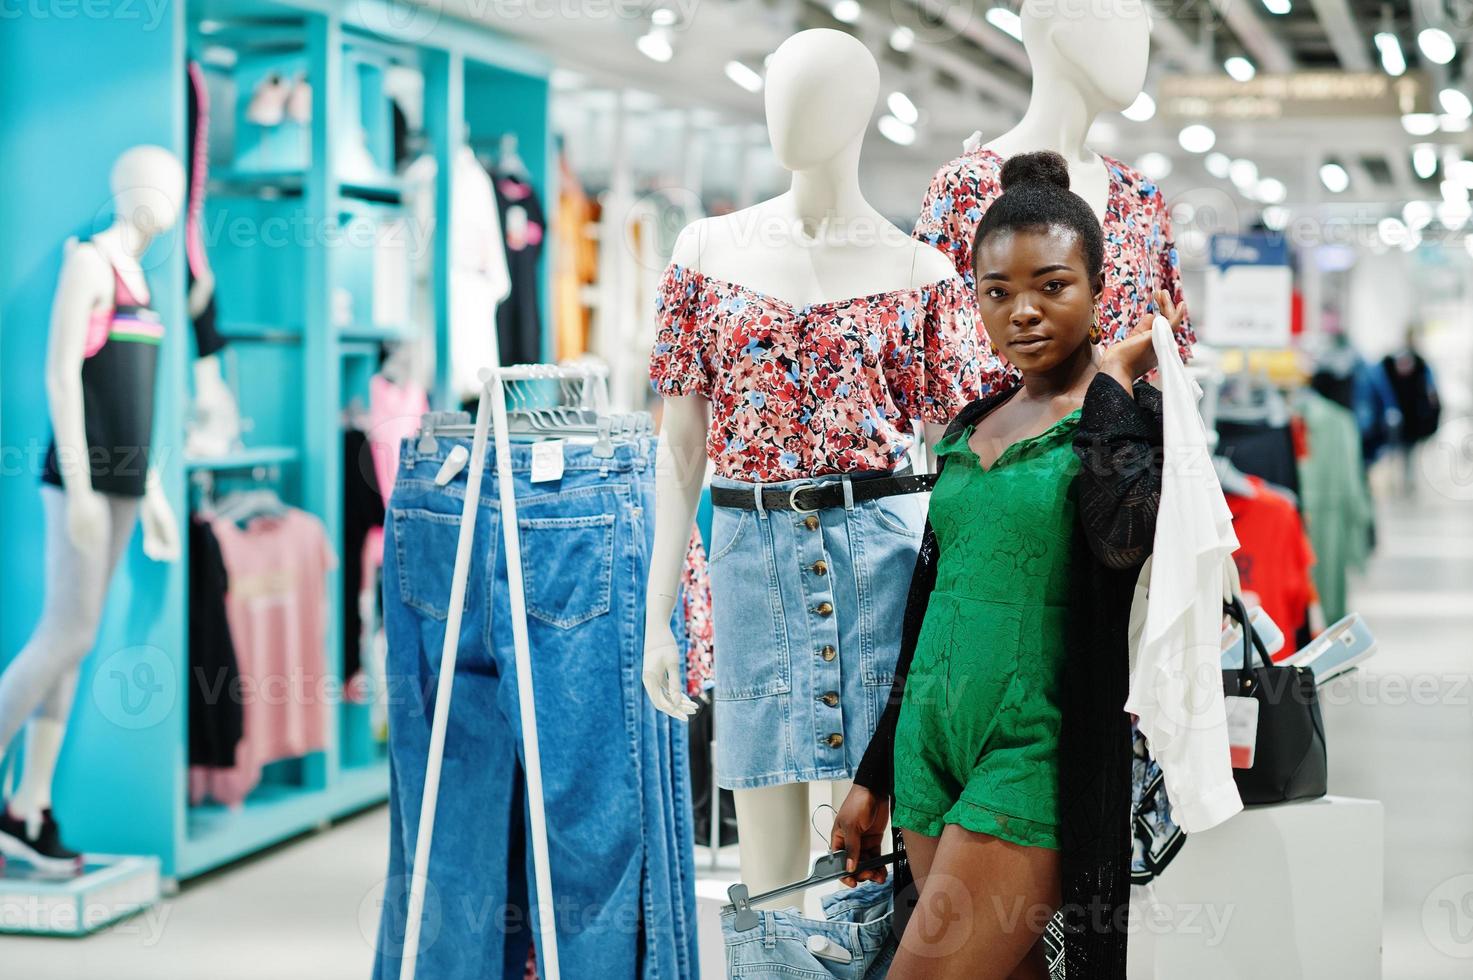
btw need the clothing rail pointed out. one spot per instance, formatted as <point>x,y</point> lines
<point>490,413</point>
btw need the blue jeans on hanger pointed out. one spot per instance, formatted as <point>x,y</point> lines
<point>856,925</point>
<point>615,780</point>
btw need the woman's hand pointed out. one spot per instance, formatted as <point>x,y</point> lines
<point>1134,356</point>
<point>859,829</point>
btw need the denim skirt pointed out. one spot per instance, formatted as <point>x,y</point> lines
<point>806,609</point>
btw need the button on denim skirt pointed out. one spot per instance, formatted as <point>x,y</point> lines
<point>807,609</point>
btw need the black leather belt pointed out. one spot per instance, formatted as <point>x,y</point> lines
<point>809,497</point>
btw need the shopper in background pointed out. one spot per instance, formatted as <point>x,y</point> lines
<point>1416,397</point>
<point>1004,743</point>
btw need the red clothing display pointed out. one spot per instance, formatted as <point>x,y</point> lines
<point>1274,557</point>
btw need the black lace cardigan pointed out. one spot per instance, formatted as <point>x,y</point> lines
<point>1116,493</point>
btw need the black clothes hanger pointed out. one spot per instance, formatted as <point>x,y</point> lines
<point>828,867</point>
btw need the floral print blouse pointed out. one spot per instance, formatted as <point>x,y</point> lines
<point>827,388</point>
<point>1140,256</point>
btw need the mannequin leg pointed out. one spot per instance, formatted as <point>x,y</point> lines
<point>772,822</point>
<point>782,819</point>
<point>44,674</point>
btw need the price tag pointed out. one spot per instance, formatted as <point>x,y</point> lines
<point>547,461</point>
<point>1242,725</point>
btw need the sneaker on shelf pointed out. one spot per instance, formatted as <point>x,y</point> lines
<point>299,102</point>
<point>268,102</point>
<point>37,842</point>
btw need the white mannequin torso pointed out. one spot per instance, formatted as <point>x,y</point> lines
<point>1091,61</point>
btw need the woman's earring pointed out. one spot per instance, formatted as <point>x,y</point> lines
<point>1095,335</point>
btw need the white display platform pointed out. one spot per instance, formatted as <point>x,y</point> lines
<point>1288,892</point>
<point>107,890</point>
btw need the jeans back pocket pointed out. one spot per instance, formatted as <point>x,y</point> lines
<point>567,567</point>
<point>424,543</point>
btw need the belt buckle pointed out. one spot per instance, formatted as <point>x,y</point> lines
<point>793,498</point>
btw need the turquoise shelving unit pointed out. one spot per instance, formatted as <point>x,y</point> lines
<point>121,786</point>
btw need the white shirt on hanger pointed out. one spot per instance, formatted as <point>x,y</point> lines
<point>1176,668</point>
<point>479,279</point>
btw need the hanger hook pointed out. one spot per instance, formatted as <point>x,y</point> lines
<point>813,822</point>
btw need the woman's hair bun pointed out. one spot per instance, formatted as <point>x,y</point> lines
<point>1044,165</point>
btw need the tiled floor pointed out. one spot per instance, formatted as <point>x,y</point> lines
<point>1401,731</point>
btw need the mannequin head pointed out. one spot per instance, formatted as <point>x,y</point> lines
<point>1100,47</point>
<point>822,86</point>
<point>148,189</point>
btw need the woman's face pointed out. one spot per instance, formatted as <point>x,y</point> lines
<point>1035,296</point>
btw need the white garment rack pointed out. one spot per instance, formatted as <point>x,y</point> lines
<point>491,413</point>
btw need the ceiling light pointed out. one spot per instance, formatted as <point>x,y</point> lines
<point>1453,124</point>
<point>1462,172</point>
<point>1417,214</point>
<point>1424,160</point>
<point>1334,177</point>
<point>1006,21</point>
<point>1241,69</point>
<point>1392,58</point>
<point>903,109</point>
<point>1419,123</point>
<point>744,76</point>
<point>1219,165</point>
<point>1437,45</point>
<point>1454,191</point>
<point>1455,103</point>
<point>663,17</point>
<point>1196,138</point>
<point>1271,190</point>
<point>1156,166</point>
<point>1243,174</point>
<point>846,11</point>
<point>1143,108</point>
<point>656,45</point>
<point>1279,7</point>
<point>1275,218</point>
<point>902,39</point>
<point>896,131</point>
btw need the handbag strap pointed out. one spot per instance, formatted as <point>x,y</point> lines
<point>1251,639</point>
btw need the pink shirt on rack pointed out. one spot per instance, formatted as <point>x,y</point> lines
<point>394,412</point>
<point>277,608</point>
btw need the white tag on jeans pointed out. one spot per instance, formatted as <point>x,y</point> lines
<point>455,461</point>
<point>547,461</point>
<point>1242,725</point>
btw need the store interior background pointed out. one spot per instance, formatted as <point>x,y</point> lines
<point>661,104</point>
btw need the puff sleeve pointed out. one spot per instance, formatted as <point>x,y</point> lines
<point>1169,273</point>
<point>939,358</point>
<point>681,360</point>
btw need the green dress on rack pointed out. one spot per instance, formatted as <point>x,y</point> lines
<point>977,743</point>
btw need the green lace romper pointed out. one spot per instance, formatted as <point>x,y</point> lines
<point>977,742</point>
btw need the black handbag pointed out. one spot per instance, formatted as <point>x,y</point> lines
<point>1289,756</point>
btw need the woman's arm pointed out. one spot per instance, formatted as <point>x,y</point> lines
<point>1118,443</point>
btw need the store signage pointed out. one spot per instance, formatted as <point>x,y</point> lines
<point>1297,95</point>
<point>1249,292</point>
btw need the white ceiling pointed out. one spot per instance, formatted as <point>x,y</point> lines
<point>967,76</point>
